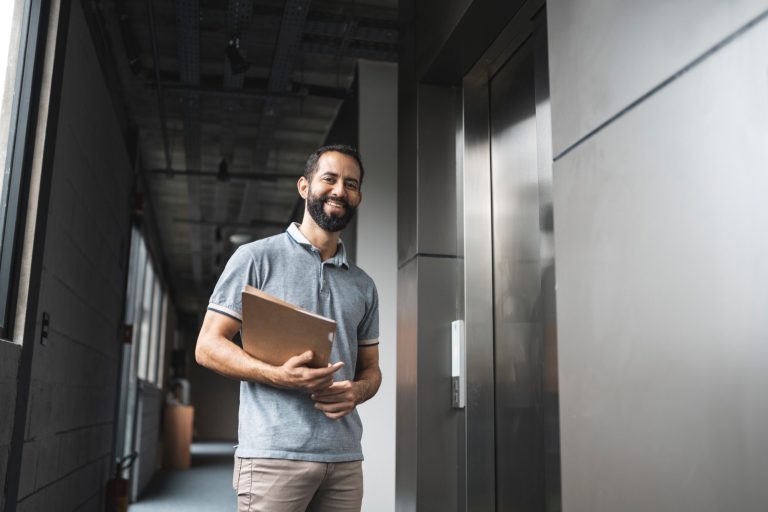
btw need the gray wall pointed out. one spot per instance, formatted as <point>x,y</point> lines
<point>377,255</point>
<point>216,400</point>
<point>148,435</point>
<point>659,119</point>
<point>429,431</point>
<point>9,367</point>
<point>67,452</point>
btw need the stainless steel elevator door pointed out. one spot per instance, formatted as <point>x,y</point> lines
<point>527,454</point>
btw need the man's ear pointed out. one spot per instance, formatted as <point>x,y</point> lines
<point>303,186</point>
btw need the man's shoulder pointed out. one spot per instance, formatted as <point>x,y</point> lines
<point>265,246</point>
<point>361,276</point>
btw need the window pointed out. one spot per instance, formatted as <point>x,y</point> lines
<point>9,50</point>
<point>146,310</point>
<point>22,39</point>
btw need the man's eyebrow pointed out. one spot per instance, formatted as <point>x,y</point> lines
<point>336,175</point>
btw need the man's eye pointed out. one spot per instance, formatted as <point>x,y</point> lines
<point>352,186</point>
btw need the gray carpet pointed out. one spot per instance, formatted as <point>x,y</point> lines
<point>206,486</point>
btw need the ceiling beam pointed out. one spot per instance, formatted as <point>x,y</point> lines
<point>287,49</point>
<point>262,176</point>
<point>188,40</point>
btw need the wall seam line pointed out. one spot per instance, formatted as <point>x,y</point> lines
<point>682,71</point>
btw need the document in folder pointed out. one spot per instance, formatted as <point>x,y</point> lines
<point>274,330</point>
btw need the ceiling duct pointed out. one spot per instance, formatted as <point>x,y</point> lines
<point>280,80</point>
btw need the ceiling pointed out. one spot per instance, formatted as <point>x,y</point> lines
<point>194,109</point>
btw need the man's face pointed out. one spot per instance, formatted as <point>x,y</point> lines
<point>334,193</point>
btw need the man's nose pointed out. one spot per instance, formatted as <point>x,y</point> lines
<point>339,190</point>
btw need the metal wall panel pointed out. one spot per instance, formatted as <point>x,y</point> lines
<point>478,283</point>
<point>440,476</point>
<point>662,264</point>
<point>407,373</point>
<point>516,288</point>
<point>407,139</point>
<point>436,233</point>
<point>606,55</point>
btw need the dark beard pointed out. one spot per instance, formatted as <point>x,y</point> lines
<point>332,223</point>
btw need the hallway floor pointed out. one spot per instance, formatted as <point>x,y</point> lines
<point>206,486</point>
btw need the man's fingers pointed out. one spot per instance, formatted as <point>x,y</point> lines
<point>323,372</point>
<point>332,392</point>
<point>299,360</point>
<point>335,406</point>
<point>329,399</point>
<point>317,385</point>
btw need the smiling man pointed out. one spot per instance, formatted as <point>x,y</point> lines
<point>299,431</point>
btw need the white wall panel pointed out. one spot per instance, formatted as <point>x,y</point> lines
<point>377,255</point>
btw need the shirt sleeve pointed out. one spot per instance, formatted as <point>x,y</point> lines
<point>368,329</point>
<point>227,295</point>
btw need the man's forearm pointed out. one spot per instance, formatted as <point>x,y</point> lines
<point>222,356</point>
<point>367,382</point>
<point>226,358</point>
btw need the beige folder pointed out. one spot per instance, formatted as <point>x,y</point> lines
<point>274,330</point>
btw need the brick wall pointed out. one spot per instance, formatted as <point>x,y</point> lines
<point>9,366</point>
<point>68,444</point>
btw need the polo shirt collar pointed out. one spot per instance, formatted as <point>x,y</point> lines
<point>339,259</point>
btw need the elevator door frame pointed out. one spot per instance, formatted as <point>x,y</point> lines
<point>475,155</point>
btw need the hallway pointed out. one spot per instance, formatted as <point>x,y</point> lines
<point>205,486</point>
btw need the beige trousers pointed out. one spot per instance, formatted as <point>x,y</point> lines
<point>278,485</point>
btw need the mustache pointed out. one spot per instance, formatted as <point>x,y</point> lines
<point>336,199</point>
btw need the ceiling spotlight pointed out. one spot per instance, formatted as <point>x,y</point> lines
<point>236,61</point>
<point>240,238</point>
<point>223,174</point>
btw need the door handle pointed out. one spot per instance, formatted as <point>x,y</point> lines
<point>458,365</point>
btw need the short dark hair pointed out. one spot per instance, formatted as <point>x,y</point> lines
<point>311,167</point>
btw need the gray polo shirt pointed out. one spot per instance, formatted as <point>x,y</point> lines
<point>284,424</point>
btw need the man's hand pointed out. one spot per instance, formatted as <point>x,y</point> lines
<point>295,374</point>
<point>339,399</point>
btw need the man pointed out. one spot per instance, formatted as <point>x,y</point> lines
<point>299,432</point>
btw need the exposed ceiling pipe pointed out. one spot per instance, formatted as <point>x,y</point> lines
<point>239,13</point>
<point>234,92</point>
<point>188,37</point>
<point>158,83</point>
<point>256,223</point>
<point>287,49</point>
<point>264,176</point>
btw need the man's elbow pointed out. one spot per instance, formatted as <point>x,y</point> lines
<point>201,353</point>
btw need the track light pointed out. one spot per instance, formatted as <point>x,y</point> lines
<point>236,61</point>
<point>223,174</point>
<point>240,238</point>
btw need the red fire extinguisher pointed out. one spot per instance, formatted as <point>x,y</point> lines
<point>117,486</point>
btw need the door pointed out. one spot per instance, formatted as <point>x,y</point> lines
<point>517,175</point>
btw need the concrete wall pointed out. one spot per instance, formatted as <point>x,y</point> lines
<point>68,443</point>
<point>377,255</point>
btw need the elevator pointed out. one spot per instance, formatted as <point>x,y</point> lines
<point>509,278</point>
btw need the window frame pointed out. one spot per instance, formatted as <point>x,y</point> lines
<point>21,143</point>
